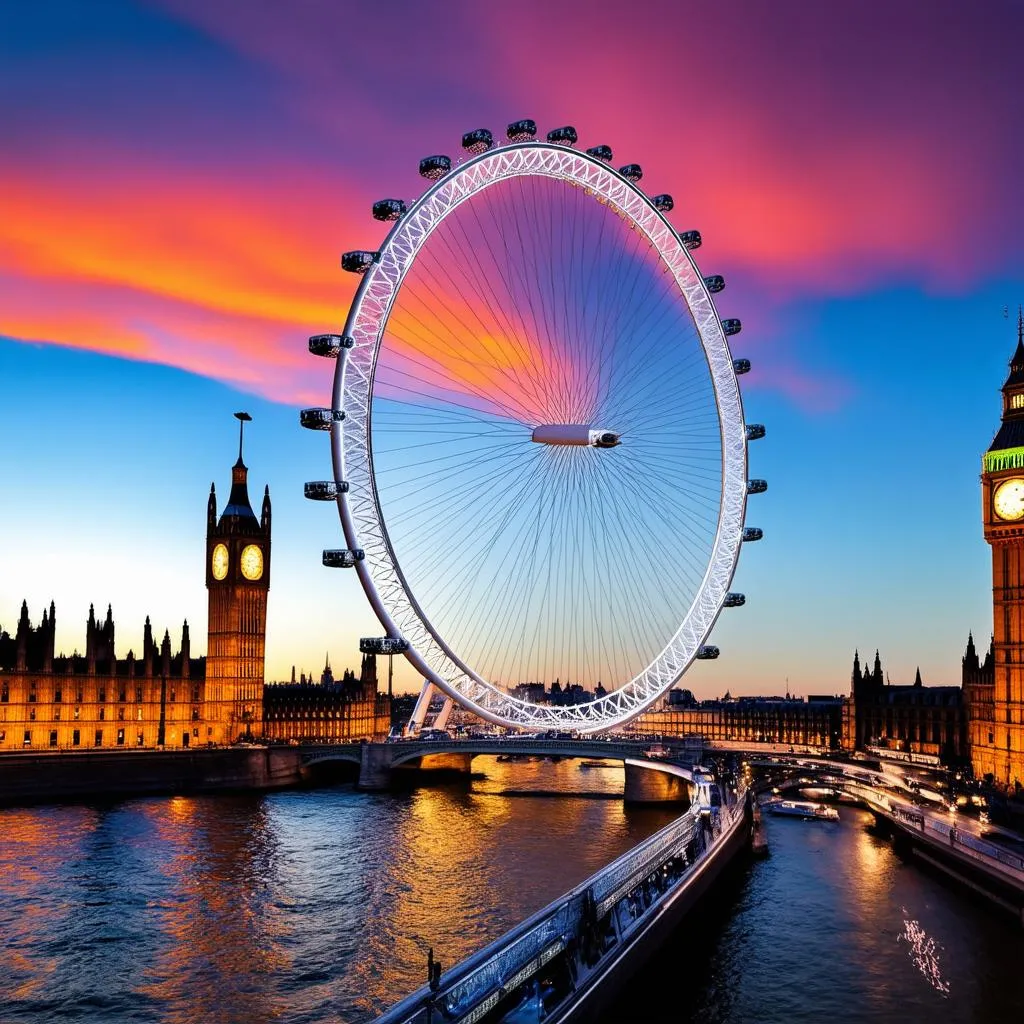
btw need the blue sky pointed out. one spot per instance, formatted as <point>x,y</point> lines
<point>180,177</point>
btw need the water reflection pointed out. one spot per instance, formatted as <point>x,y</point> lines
<point>306,906</point>
<point>321,905</point>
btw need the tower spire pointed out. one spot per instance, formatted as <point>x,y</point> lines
<point>243,418</point>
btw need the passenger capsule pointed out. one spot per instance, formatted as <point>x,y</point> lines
<point>329,345</point>
<point>731,326</point>
<point>521,131</point>
<point>478,141</point>
<point>324,490</point>
<point>755,431</point>
<point>342,558</point>
<point>631,172</point>
<point>434,167</point>
<point>757,486</point>
<point>320,419</point>
<point>707,652</point>
<point>388,209</point>
<point>358,261</point>
<point>691,239</point>
<point>751,533</point>
<point>741,366</point>
<point>663,203</point>
<point>714,283</point>
<point>601,153</point>
<point>565,136</point>
<point>734,600</point>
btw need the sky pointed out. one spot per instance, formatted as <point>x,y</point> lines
<point>178,179</point>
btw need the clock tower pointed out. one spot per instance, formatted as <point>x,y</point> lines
<point>997,717</point>
<point>237,578</point>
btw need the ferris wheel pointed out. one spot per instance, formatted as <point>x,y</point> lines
<point>538,444</point>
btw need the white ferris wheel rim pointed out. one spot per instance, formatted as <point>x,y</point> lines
<point>361,517</point>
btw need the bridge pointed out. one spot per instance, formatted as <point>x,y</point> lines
<point>661,773</point>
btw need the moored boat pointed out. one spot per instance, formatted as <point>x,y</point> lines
<point>803,809</point>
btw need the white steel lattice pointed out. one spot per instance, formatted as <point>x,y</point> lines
<point>362,521</point>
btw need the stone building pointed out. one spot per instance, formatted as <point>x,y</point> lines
<point>913,718</point>
<point>815,722</point>
<point>328,711</point>
<point>97,699</point>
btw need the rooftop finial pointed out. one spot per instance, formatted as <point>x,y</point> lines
<point>243,418</point>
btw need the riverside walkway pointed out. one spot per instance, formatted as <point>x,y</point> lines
<point>568,960</point>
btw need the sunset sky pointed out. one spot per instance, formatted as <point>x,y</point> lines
<point>178,179</point>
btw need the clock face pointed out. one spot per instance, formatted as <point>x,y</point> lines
<point>1008,499</point>
<point>219,562</point>
<point>251,562</point>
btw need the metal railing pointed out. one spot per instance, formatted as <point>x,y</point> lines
<point>637,881</point>
<point>990,854</point>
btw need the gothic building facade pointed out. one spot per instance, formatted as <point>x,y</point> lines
<point>329,711</point>
<point>166,699</point>
<point>913,718</point>
<point>97,699</point>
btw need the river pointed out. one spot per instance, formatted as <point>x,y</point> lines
<point>320,905</point>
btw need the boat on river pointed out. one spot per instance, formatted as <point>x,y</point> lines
<point>803,809</point>
<point>595,764</point>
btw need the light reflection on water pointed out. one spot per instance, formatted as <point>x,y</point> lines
<point>300,906</point>
<point>321,905</point>
<point>818,932</point>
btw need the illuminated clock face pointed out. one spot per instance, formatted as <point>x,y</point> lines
<point>219,562</point>
<point>251,562</point>
<point>1008,499</point>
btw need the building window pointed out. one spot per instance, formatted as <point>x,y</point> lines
<point>103,713</point>
<point>56,714</point>
<point>78,711</point>
<point>138,694</point>
<point>102,695</point>
<point>138,742</point>
<point>32,693</point>
<point>120,737</point>
<point>79,695</point>
<point>76,738</point>
<point>195,714</point>
<point>5,694</point>
<point>28,738</point>
<point>3,735</point>
<point>184,739</point>
<point>991,737</point>
<point>58,696</point>
<point>120,714</point>
<point>122,694</point>
<point>53,737</point>
<point>1017,402</point>
<point>172,696</point>
<point>31,714</point>
<point>98,741</point>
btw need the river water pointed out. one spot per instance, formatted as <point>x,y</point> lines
<point>320,905</point>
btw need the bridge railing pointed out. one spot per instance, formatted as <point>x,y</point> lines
<point>982,850</point>
<point>992,855</point>
<point>636,880</point>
